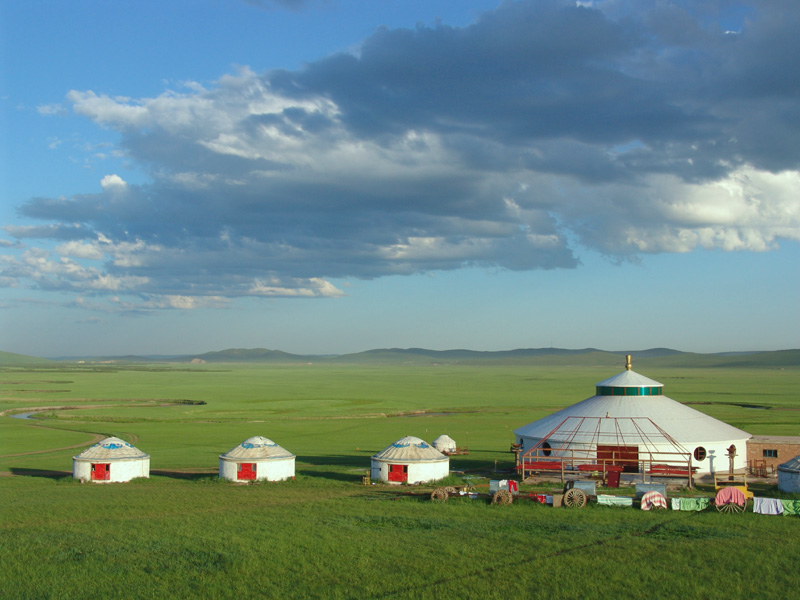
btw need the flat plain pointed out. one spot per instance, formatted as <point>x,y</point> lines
<point>182,533</point>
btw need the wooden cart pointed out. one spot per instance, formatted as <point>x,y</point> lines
<point>578,493</point>
<point>731,502</point>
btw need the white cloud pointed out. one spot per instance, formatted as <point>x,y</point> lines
<point>310,288</point>
<point>89,251</point>
<point>494,150</point>
<point>106,110</point>
<point>50,109</point>
<point>113,182</point>
<point>749,209</point>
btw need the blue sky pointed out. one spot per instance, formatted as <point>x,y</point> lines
<point>330,176</point>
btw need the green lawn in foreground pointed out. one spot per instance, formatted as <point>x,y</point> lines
<point>325,535</point>
<point>325,538</point>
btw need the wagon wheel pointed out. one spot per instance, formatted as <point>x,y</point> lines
<point>724,508</point>
<point>731,507</point>
<point>502,497</point>
<point>575,498</point>
<point>450,489</point>
<point>439,495</point>
<point>738,508</point>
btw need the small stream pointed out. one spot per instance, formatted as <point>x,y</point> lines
<point>26,415</point>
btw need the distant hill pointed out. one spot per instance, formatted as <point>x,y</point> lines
<point>243,355</point>
<point>768,359</point>
<point>585,357</point>
<point>9,359</point>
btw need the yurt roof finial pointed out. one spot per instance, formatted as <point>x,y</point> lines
<point>628,365</point>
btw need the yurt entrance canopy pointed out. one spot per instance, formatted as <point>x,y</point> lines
<point>607,444</point>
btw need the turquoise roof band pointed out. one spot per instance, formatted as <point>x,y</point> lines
<point>605,390</point>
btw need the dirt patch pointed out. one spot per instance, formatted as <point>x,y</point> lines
<point>742,405</point>
<point>424,413</point>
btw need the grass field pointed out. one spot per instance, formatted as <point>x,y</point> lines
<point>184,534</point>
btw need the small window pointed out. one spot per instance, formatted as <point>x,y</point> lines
<point>699,453</point>
<point>770,453</point>
<point>546,449</point>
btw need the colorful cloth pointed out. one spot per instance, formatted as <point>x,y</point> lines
<point>790,507</point>
<point>728,495</point>
<point>610,500</point>
<point>690,504</point>
<point>653,499</point>
<point>767,506</point>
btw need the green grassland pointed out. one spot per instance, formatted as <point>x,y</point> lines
<point>184,534</point>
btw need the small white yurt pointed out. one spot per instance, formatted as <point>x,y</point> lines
<point>256,459</point>
<point>445,444</point>
<point>789,476</point>
<point>111,460</point>
<point>410,460</point>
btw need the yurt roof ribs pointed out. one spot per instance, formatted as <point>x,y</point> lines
<point>591,430</point>
<point>577,439</point>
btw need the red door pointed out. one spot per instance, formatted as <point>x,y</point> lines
<point>246,471</point>
<point>101,472</point>
<point>398,472</point>
<point>625,456</point>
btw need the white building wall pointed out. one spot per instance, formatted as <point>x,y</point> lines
<point>81,470</point>
<point>716,460</point>
<point>418,472</point>
<point>266,470</point>
<point>121,470</point>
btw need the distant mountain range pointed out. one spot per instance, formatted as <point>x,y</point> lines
<point>663,357</point>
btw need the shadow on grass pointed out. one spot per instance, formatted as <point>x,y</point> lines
<point>341,460</point>
<point>40,473</point>
<point>401,493</point>
<point>333,475</point>
<point>191,476</point>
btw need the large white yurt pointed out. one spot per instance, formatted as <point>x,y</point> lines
<point>256,459</point>
<point>409,460</point>
<point>445,444</point>
<point>789,476</point>
<point>111,460</point>
<point>629,419</point>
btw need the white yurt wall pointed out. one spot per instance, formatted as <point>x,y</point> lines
<point>111,460</point>
<point>257,459</point>
<point>409,460</point>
